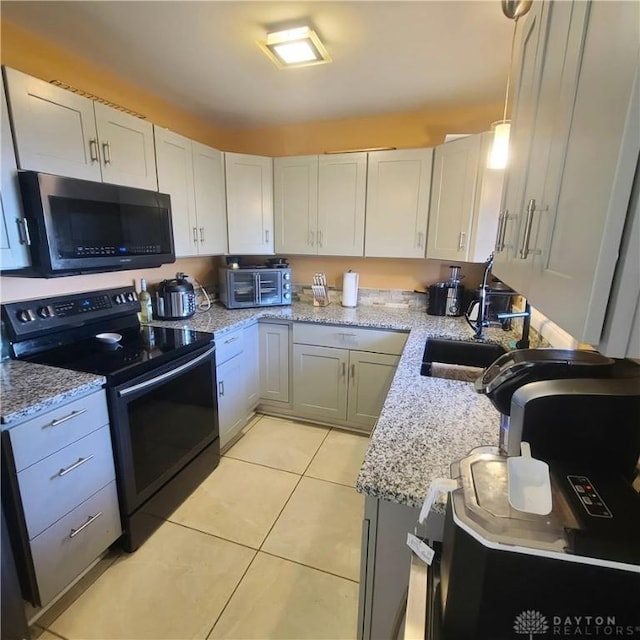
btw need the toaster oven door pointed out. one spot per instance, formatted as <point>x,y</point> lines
<point>242,289</point>
<point>268,287</point>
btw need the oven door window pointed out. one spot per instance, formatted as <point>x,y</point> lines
<point>243,288</point>
<point>162,427</point>
<point>269,288</point>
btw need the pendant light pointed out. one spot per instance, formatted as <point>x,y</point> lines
<point>499,153</point>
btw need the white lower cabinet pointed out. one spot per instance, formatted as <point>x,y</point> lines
<point>274,363</point>
<point>61,478</point>
<point>232,412</point>
<point>342,375</point>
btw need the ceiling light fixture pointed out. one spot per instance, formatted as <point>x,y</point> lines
<point>299,47</point>
<point>499,153</point>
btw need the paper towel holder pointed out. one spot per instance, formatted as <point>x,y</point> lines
<point>350,281</point>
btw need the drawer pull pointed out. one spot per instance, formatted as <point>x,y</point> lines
<point>230,340</point>
<point>74,532</point>
<point>75,465</point>
<point>73,414</point>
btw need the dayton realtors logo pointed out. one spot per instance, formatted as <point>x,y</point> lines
<point>532,623</point>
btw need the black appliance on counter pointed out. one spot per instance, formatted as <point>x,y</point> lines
<point>78,226</point>
<point>255,286</point>
<point>574,572</point>
<point>160,391</point>
<point>175,299</point>
<point>446,298</point>
<point>498,300</point>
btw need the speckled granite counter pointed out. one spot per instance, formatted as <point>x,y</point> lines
<point>426,422</point>
<point>28,389</point>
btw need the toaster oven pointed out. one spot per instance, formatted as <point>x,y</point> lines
<point>255,287</point>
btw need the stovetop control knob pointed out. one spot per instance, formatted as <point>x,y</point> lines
<point>131,296</point>
<point>46,312</point>
<point>118,299</point>
<point>26,315</point>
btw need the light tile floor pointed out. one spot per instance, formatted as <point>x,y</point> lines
<point>268,547</point>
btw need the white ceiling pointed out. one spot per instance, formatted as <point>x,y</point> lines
<point>388,56</point>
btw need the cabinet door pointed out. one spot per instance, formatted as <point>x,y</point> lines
<point>295,193</point>
<point>175,177</point>
<point>398,188</point>
<point>251,354</point>
<point>231,398</point>
<point>54,129</point>
<point>210,201</point>
<point>126,148</point>
<point>592,158</point>
<point>342,181</point>
<point>274,362</point>
<point>13,249</point>
<point>249,203</point>
<point>455,169</point>
<point>320,382</point>
<point>370,376</point>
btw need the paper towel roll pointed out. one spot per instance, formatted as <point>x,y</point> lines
<point>350,289</point>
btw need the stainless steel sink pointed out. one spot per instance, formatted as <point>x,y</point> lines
<point>458,352</point>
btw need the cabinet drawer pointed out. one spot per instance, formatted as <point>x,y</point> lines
<point>346,337</point>
<point>59,558</point>
<point>229,345</point>
<point>37,438</point>
<point>54,486</point>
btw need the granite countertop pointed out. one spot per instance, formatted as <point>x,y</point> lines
<point>28,388</point>
<point>425,424</point>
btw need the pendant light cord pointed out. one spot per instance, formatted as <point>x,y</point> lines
<point>513,44</point>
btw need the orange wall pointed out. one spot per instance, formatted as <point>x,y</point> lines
<point>41,58</point>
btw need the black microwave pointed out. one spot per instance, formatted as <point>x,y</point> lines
<point>78,226</point>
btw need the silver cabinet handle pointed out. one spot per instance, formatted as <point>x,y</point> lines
<point>75,465</point>
<point>195,234</point>
<point>221,388</point>
<point>528,224</point>
<point>73,414</point>
<point>344,369</point>
<point>230,340</point>
<point>74,532</point>
<point>461,240</point>
<point>420,239</point>
<point>23,231</point>
<point>501,222</point>
<point>353,373</point>
<point>310,238</point>
<point>93,150</point>
<point>201,234</point>
<point>106,152</point>
<point>266,236</point>
<point>320,238</point>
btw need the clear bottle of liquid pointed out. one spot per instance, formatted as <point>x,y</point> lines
<point>146,310</point>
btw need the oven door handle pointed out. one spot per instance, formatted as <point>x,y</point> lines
<point>168,375</point>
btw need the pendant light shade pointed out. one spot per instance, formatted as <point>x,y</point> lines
<point>499,153</point>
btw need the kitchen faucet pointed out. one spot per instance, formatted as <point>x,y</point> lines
<point>481,321</point>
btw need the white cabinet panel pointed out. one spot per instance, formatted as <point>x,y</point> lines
<point>320,382</point>
<point>342,182</point>
<point>127,149</point>
<point>249,182</point>
<point>398,188</point>
<point>295,184</point>
<point>54,129</point>
<point>274,362</point>
<point>14,252</point>
<point>231,398</point>
<point>175,177</point>
<point>251,339</point>
<point>210,202</point>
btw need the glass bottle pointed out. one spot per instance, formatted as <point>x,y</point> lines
<point>146,310</point>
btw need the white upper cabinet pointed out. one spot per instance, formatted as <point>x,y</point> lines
<point>14,253</point>
<point>57,131</point>
<point>211,211</point>
<point>249,181</point>
<point>398,187</point>
<point>465,201</point>
<point>295,194</point>
<point>342,185</point>
<point>193,175</point>
<point>126,148</point>
<point>576,146</point>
